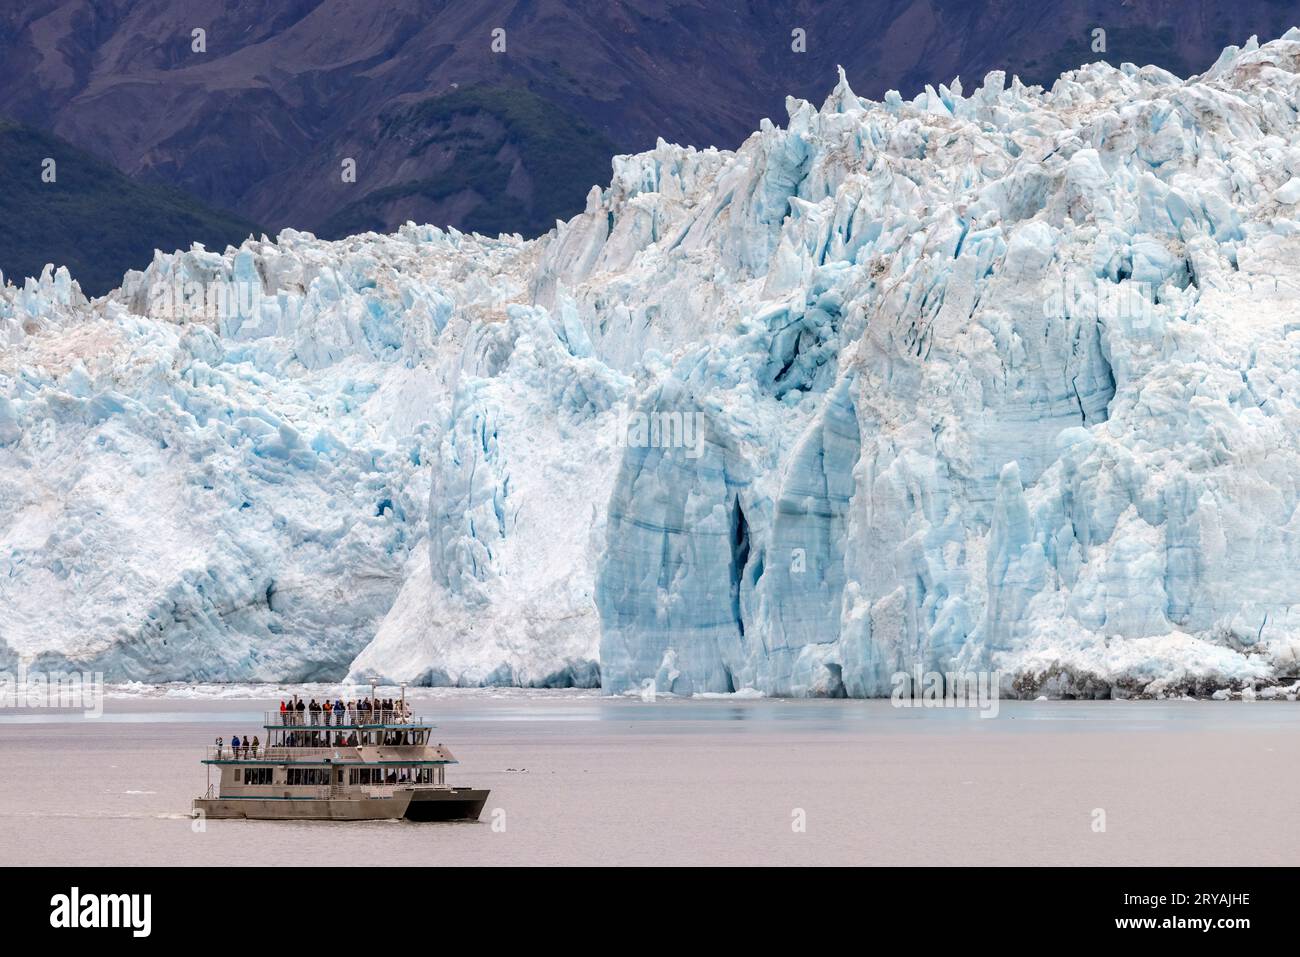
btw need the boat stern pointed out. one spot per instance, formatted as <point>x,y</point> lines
<point>446,804</point>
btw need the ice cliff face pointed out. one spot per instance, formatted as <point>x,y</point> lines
<point>1007,380</point>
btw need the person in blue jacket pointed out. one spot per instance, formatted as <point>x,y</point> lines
<point>234,746</point>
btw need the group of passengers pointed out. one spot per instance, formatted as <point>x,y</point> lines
<point>241,747</point>
<point>340,712</point>
<point>345,738</point>
<point>320,739</point>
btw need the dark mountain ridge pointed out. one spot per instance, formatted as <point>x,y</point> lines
<point>441,128</point>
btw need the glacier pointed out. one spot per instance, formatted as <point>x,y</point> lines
<point>1006,380</point>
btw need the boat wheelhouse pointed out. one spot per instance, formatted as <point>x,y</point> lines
<point>352,764</point>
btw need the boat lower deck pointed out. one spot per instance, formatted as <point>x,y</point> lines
<point>413,804</point>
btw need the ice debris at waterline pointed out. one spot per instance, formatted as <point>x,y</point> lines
<point>1007,380</point>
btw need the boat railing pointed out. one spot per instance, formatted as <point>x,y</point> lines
<point>274,752</point>
<point>226,753</point>
<point>348,719</point>
<point>280,753</point>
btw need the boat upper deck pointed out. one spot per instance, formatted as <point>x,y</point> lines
<point>364,731</point>
<point>349,719</point>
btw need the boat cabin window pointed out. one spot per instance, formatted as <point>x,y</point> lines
<point>254,775</point>
<point>307,776</point>
<point>315,738</point>
<point>348,737</point>
<point>397,775</point>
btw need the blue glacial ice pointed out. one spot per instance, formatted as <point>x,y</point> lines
<point>1007,380</point>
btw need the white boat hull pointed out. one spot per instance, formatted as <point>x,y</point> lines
<point>443,804</point>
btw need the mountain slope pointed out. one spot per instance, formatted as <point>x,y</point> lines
<point>504,160</point>
<point>92,218</point>
<point>260,121</point>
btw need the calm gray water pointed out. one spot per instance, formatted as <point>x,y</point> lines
<point>618,781</point>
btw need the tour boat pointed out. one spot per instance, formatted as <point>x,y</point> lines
<point>364,764</point>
